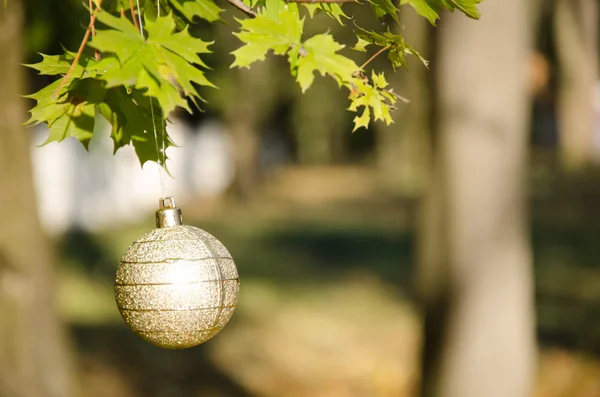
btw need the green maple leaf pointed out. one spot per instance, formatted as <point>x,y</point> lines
<point>66,112</point>
<point>159,65</point>
<point>253,3</point>
<point>71,114</point>
<point>122,39</point>
<point>60,64</point>
<point>77,122</point>
<point>398,48</point>
<point>384,7</point>
<point>468,7</point>
<point>374,100</point>
<point>363,120</point>
<point>425,8</point>
<point>160,33</point>
<point>47,108</point>
<point>204,9</point>
<point>333,10</point>
<point>431,9</point>
<point>319,53</point>
<point>79,118</point>
<point>114,5</point>
<point>134,121</point>
<point>361,44</point>
<point>277,32</point>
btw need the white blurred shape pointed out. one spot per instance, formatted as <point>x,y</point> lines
<point>53,178</point>
<point>212,166</point>
<point>97,190</point>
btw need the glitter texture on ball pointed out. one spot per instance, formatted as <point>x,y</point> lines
<point>176,286</point>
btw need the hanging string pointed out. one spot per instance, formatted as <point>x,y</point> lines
<point>163,132</point>
<point>159,155</point>
<point>139,17</point>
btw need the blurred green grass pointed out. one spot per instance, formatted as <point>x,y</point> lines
<point>290,249</point>
<point>327,284</point>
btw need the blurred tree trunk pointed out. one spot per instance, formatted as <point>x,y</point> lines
<point>576,36</point>
<point>475,268</point>
<point>248,101</point>
<point>246,144</point>
<point>403,148</point>
<point>33,358</point>
<point>319,123</point>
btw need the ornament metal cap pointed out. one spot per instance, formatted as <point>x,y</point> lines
<point>168,215</point>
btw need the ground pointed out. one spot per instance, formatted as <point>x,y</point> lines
<point>326,307</point>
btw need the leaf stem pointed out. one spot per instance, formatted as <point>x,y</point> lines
<point>91,6</point>
<point>239,4</point>
<point>81,48</point>
<point>321,1</point>
<point>368,61</point>
<point>132,10</point>
<point>400,97</point>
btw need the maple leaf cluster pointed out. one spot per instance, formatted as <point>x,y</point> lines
<point>142,73</point>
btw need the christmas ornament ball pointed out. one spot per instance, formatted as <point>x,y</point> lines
<point>177,285</point>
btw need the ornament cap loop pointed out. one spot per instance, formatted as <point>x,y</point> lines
<point>168,215</point>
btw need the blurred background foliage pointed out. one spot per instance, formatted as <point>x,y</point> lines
<point>323,235</point>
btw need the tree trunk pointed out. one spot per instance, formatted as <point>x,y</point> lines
<point>33,359</point>
<point>475,268</point>
<point>319,124</point>
<point>251,98</point>
<point>246,145</point>
<point>576,37</point>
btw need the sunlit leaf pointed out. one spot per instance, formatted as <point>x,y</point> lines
<point>431,9</point>
<point>263,34</point>
<point>204,9</point>
<point>158,65</point>
<point>320,53</point>
<point>333,10</point>
<point>384,7</point>
<point>397,47</point>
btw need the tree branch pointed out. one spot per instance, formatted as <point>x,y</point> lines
<point>239,4</point>
<point>399,97</point>
<point>91,6</point>
<point>362,67</point>
<point>81,48</point>
<point>321,1</point>
<point>132,10</point>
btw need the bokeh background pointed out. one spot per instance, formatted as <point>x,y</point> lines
<point>372,263</point>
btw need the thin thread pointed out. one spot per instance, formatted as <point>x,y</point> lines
<point>140,17</point>
<point>163,133</point>
<point>164,150</point>
<point>158,154</point>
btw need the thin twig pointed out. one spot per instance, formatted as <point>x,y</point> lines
<point>400,97</point>
<point>91,5</point>
<point>80,51</point>
<point>132,10</point>
<point>243,7</point>
<point>321,1</point>
<point>362,67</point>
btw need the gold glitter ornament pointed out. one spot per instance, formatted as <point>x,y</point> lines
<point>177,285</point>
